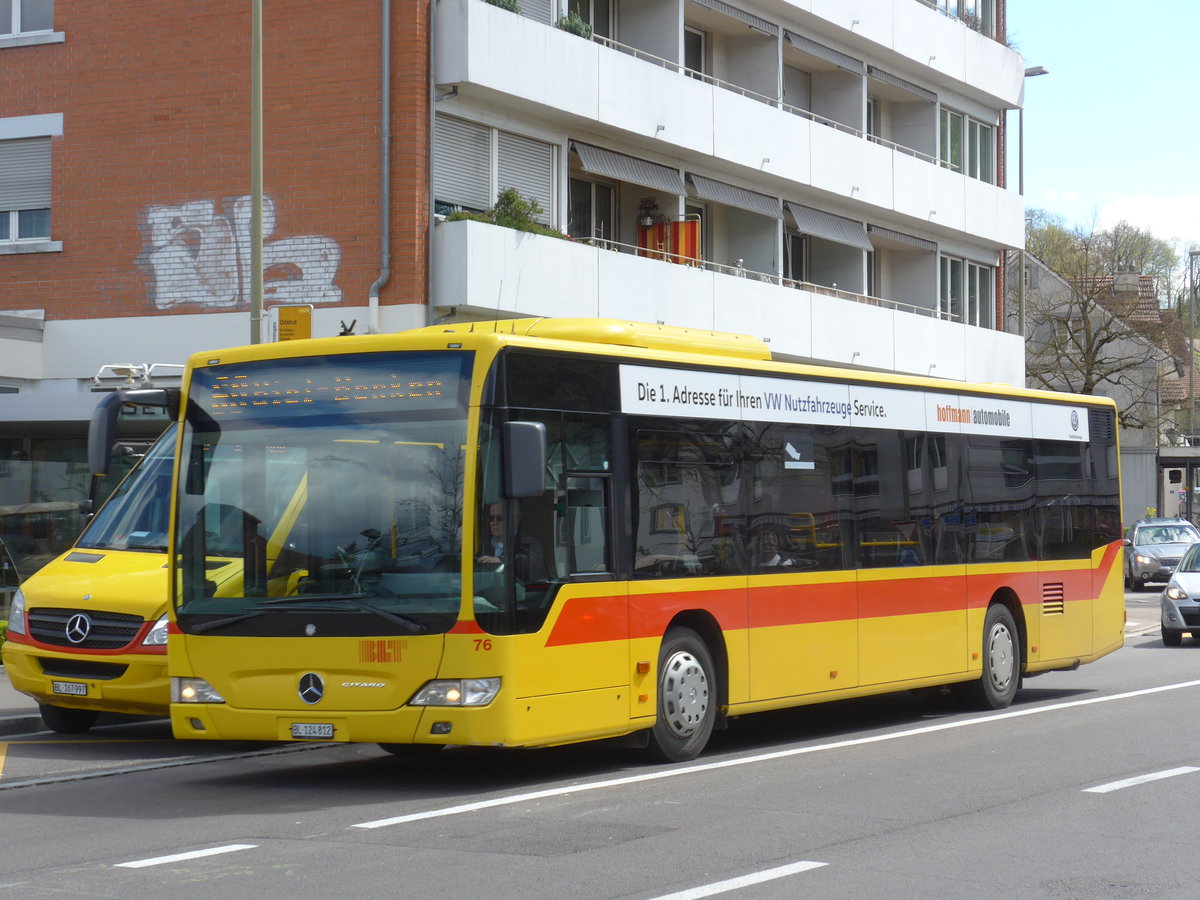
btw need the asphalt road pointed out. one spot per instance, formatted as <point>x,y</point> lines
<point>1084,788</point>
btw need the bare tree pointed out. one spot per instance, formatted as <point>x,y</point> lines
<point>1094,322</point>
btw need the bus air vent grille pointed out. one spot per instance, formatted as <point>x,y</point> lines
<point>1053,599</point>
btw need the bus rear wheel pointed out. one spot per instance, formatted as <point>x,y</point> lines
<point>68,721</point>
<point>687,697</point>
<point>997,685</point>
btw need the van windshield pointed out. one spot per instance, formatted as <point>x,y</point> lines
<point>136,516</point>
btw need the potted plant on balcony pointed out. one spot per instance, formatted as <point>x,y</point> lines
<point>511,211</point>
<point>576,24</point>
<point>510,5</point>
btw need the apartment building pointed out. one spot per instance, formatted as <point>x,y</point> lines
<point>823,173</point>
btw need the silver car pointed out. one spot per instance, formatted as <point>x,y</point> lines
<point>1181,600</point>
<point>1153,549</point>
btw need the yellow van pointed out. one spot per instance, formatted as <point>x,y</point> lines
<point>88,632</point>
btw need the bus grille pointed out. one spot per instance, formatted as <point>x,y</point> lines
<point>106,631</point>
<point>1053,599</point>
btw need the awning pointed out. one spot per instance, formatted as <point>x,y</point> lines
<point>901,237</point>
<point>741,15</point>
<point>812,48</point>
<point>728,194</point>
<point>829,227</point>
<point>899,82</point>
<point>599,161</point>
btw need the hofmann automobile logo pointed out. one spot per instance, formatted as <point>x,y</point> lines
<point>383,650</point>
<point>998,418</point>
<point>312,688</point>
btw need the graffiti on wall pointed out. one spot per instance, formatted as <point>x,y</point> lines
<point>195,254</point>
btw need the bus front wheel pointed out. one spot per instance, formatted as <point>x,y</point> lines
<point>997,685</point>
<point>687,697</point>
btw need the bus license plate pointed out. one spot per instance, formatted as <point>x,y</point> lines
<point>312,730</point>
<point>74,688</point>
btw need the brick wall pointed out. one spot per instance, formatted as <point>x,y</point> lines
<point>151,175</point>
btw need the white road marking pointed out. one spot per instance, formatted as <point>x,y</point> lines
<point>761,757</point>
<point>1139,779</point>
<point>733,884</point>
<point>180,857</point>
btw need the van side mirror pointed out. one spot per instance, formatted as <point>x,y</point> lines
<point>524,459</point>
<point>102,430</point>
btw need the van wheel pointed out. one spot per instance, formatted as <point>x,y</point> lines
<point>997,685</point>
<point>687,697</point>
<point>68,721</point>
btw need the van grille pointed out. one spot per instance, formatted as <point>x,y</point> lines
<point>107,631</point>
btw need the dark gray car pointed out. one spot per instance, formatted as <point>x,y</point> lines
<point>1153,549</point>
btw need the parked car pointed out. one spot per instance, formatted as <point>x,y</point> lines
<point>1181,600</point>
<point>1153,549</point>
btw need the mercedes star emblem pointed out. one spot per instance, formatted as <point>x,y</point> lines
<point>79,626</point>
<point>312,688</point>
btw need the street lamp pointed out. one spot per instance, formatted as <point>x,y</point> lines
<point>1029,73</point>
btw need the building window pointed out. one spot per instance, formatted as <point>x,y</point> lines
<point>473,163</point>
<point>950,143</point>
<point>980,308</point>
<point>26,16</point>
<point>695,51</point>
<point>967,145</point>
<point>592,212</point>
<point>950,289</point>
<point>25,189</point>
<point>795,248</point>
<point>981,152</point>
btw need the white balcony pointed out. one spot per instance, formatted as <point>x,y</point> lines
<point>506,60</point>
<point>483,271</point>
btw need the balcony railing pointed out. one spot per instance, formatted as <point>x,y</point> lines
<point>738,270</point>
<point>770,101</point>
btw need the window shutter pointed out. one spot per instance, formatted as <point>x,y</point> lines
<point>461,163</point>
<point>528,166</point>
<point>537,9</point>
<point>25,174</point>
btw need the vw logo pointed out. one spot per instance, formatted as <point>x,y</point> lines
<point>79,626</point>
<point>312,688</point>
<point>1074,420</point>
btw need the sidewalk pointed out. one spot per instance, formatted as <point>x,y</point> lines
<point>18,713</point>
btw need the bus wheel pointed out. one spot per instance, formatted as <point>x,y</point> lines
<point>686,697</point>
<point>1001,676</point>
<point>68,721</point>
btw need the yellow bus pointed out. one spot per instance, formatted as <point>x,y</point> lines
<point>532,532</point>
<point>87,633</point>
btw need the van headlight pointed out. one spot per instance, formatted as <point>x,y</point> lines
<point>457,692</point>
<point>157,637</point>
<point>193,690</point>
<point>16,613</point>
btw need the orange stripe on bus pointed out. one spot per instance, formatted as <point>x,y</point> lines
<point>594,619</point>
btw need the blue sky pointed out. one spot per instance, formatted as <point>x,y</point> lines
<point>1113,131</point>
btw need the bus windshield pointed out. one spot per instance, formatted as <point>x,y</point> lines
<point>136,516</point>
<point>331,487</point>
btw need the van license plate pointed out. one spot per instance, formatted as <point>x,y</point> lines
<point>74,688</point>
<point>312,730</point>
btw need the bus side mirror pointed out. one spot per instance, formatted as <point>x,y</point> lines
<point>102,430</point>
<point>524,459</point>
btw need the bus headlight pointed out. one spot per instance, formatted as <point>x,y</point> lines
<point>193,690</point>
<point>157,636</point>
<point>16,613</point>
<point>1175,592</point>
<point>457,692</point>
